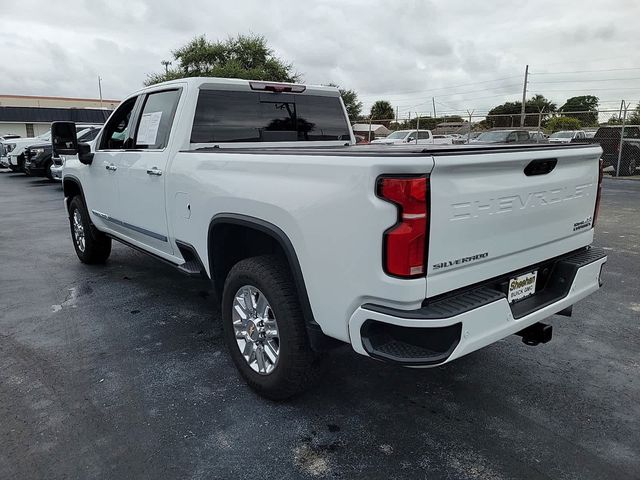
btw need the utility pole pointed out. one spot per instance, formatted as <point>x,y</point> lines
<point>524,95</point>
<point>166,64</point>
<point>417,126</point>
<point>433,100</point>
<point>397,114</point>
<point>625,108</point>
<point>100,89</point>
<point>469,133</point>
<point>539,124</point>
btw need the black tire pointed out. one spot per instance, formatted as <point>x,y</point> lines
<point>13,168</point>
<point>47,169</point>
<point>630,167</point>
<point>297,366</point>
<point>20,161</point>
<point>96,246</point>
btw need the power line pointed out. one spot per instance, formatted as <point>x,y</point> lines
<point>469,91</point>
<point>587,71</point>
<point>594,89</point>
<point>440,88</point>
<point>593,80</point>
<point>608,59</point>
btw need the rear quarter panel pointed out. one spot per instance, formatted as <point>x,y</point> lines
<point>326,206</point>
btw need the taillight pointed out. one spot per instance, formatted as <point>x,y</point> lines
<point>404,247</point>
<point>598,194</point>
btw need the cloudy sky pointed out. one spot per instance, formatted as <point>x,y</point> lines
<point>467,54</point>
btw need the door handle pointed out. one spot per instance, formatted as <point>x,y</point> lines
<point>154,171</point>
<point>111,167</point>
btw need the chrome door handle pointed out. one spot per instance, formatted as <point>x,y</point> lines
<point>154,171</point>
<point>111,167</point>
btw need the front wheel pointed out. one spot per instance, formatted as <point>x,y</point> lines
<point>91,245</point>
<point>264,328</point>
<point>47,170</point>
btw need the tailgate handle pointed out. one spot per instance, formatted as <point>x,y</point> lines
<point>541,166</point>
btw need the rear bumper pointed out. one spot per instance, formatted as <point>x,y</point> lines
<point>455,325</point>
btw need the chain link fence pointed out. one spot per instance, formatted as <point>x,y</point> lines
<point>618,137</point>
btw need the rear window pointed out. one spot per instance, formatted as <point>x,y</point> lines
<point>223,116</point>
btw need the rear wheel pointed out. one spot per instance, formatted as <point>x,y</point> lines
<point>91,245</point>
<point>264,328</point>
<point>629,167</point>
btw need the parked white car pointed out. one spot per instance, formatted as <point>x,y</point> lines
<point>399,137</point>
<point>412,255</point>
<point>566,136</point>
<point>4,148</point>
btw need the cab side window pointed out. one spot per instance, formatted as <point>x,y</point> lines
<point>423,135</point>
<point>523,136</point>
<point>117,129</point>
<point>154,125</point>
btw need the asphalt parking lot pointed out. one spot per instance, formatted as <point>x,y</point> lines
<point>120,372</point>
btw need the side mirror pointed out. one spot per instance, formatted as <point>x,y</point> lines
<point>411,139</point>
<point>64,140</point>
<point>85,155</point>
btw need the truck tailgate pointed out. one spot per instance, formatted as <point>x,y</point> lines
<point>489,217</point>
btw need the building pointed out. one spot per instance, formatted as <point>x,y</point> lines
<point>28,116</point>
<point>376,130</point>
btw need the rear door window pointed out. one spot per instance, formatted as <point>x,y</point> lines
<point>223,116</point>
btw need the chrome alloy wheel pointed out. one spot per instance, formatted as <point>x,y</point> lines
<point>256,329</point>
<point>78,230</point>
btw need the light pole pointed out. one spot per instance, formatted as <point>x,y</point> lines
<point>166,64</point>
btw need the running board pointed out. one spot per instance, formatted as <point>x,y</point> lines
<point>192,265</point>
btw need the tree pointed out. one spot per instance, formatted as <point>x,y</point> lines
<point>614,120</point>
<point>244,56</point>
<point>351,102</point>
<point>633,117</point>
<point>382,110</point>
<point>555,124</point>
<point>538,103</point>
<point>584,103</point>
<point>508,114</point>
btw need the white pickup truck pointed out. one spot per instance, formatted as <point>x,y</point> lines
<point>416,137</point>
<point>413,255</point>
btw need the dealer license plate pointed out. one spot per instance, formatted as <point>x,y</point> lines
<point>522,286</point>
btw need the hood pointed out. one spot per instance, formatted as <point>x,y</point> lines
<point>25,141</point>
